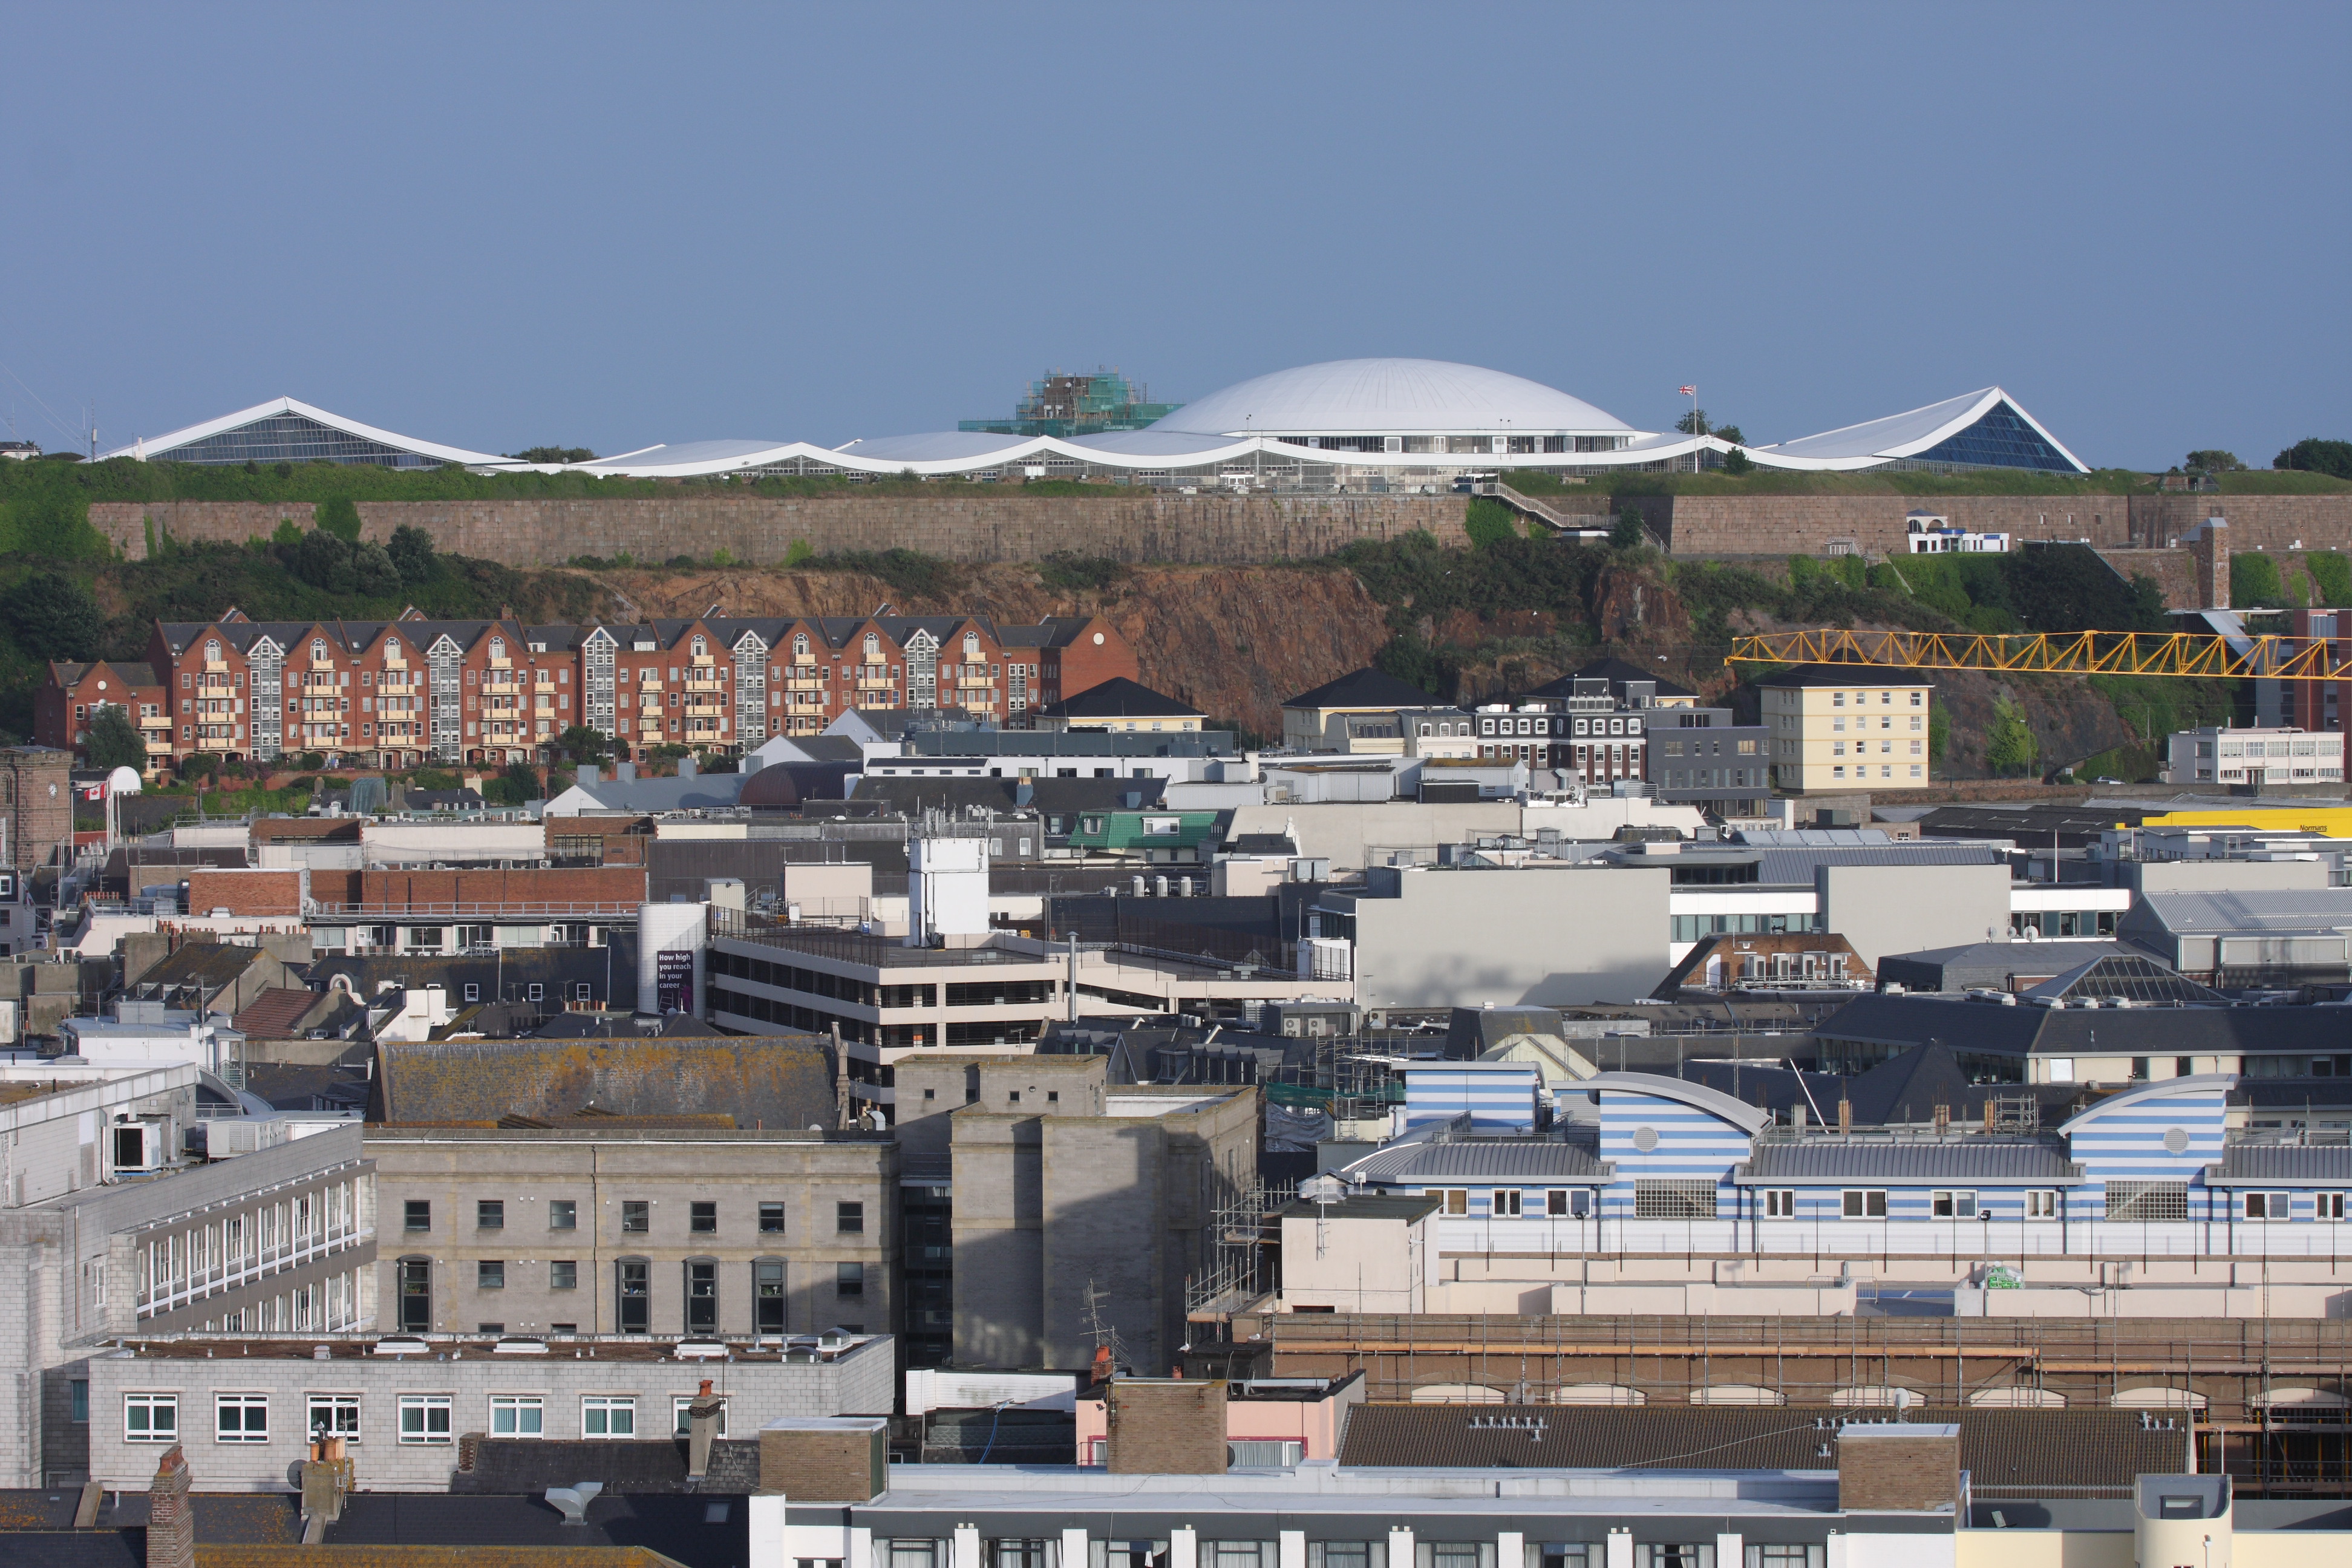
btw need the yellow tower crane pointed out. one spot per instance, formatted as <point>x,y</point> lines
<point>2204,655</point>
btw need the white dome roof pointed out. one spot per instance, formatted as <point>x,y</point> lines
<point>1387,397</point>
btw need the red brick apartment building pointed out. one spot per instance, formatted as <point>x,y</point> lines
<point>412,691</point>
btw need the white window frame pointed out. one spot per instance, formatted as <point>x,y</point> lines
<point>1855,1202</point>
<point>416,1423</point>
<point>342,1413</point>
<point>1780,1203</point>
<point>1502,1202</point>
<point>244,1407</point>
<point>1954,1202</point>
<point>153,1405</point>
<point>2327,1205</point>
<point>682,1423</point>
<point>2269,1208</point>
<point>602,1408</point>
<point>525,1415</point>
<point>2041,1202</point>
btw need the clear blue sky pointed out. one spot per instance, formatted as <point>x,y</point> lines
<point>503,225</point>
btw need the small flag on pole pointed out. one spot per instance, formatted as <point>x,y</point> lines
<point>1689,392</point>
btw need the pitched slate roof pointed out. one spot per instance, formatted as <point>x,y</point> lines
<point>1362,689</point>
<point>1842,675</point>
<point>527,1466</point>
<point>1119,697</point>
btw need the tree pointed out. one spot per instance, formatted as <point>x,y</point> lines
<point>1694,423</point>
<point>410,550</point>
<point>1730,432</point>
<point>585,745</point>
<point>340,518</point>
<point>1736,463</point>
<point>2010,746</point>
<point>323,560</point>
<point>1629,532</point>
<point>2213,460</point>
<point>373,572</point>
<point>2313,456</point>
<point>553,455</point>
<point>114,740</point>
<point>53,616</point>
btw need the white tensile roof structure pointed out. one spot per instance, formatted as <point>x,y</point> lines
<point>1406,419</point>
<point>286,431</point>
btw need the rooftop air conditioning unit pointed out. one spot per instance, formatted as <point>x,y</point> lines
<point>141,1146</point>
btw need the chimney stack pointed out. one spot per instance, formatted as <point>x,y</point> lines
<point>1906,1467</point>
<point>171,1520</point>
<point>825,1459</point>
<point>1167,1426</point>
<point>702,1426</point>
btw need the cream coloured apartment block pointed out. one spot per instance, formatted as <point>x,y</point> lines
<point>1835,729</point>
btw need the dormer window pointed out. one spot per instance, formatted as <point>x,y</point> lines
<point>970,645</point>
<point>212,652</point>
<point>497,647</point>
<point>872,646</point>
<point>391,647</point>
<point>318,647</point>
<point>801,645</point>
<point>701,646</point>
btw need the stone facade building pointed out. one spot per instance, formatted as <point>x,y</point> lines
<point>662,1226</point>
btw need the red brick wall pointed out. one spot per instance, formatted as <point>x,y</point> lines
<point>393,892</point>
<point>1085,664</point>
<point>244,892</point>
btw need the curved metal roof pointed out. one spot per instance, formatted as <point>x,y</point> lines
<point>1389,397</point>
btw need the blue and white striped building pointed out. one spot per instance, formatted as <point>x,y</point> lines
<point>1651,1166</point>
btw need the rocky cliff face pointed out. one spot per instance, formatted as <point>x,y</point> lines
<point>1232,641</point>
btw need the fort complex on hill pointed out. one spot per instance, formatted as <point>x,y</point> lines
<point>1283,467</point>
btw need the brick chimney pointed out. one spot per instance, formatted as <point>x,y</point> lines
<point>1167,1426</point>
<point>171,1518</point>
<point>825,1459</point>
<point>1910,1467</point>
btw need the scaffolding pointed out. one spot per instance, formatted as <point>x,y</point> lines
<point>1068,404</point>
<point>1245,1239</point>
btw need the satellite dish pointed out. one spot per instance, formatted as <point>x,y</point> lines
<point>123,781</point>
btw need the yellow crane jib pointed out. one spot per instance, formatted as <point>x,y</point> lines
<point>2198,654</point>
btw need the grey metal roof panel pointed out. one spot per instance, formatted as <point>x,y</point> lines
<point>2287,1163</point>
<point>1514,1159</point>
<point>1779,865</point>
<point>1971,1160</point>
<point>2313,909</point>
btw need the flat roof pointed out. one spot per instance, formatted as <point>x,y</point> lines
<point>479,1347</point>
